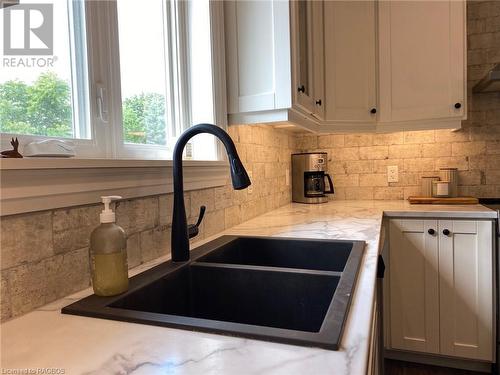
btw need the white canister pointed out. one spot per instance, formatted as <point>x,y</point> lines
<point>451,175</point>
<point>426,190</point>
<point>440,189</point>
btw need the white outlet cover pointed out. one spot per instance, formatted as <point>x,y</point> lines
<point>287,177</point>
<point>392,173</point>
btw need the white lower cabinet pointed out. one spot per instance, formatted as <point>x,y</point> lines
<point>414,286</point>
<point>466,289</point>
<point>441,287</point>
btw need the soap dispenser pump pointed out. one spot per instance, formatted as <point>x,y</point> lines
<point>108,254</point>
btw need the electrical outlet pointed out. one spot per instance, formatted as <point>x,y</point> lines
<point>392,173</point>
<point>287,177</point>
<point>250,188</point>
<point>188,151</point>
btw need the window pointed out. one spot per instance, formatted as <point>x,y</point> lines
<point>122,80</point>
<point>46,95</point>
<point>147,100</point>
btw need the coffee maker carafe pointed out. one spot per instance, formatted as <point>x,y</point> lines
<point>309,178</point>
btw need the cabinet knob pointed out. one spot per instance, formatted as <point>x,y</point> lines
<point>446,232</point>
<point>301,88</point>
<point>431,231</point>
<point>373,111</point>
<point>318,102</point>
<point>458,105</point>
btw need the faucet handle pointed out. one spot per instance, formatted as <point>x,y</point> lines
<point>193,229</point>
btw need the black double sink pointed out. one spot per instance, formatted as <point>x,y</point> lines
<point>296,291</point>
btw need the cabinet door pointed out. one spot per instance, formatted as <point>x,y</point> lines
<point>466,289</point>
<point>350,60</point>
<point>414,285</point>
<point>257,55</point>
<point>308,60</point>
<point>421,60</point>
<point>318,59</point>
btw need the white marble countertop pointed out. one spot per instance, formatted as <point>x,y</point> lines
<point>45,338</point>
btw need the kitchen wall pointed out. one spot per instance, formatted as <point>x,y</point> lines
<point>358,162</point>
<point>44,255</point>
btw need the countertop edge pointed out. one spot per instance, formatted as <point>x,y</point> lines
<point>442,214</point>
<point>452,211</point>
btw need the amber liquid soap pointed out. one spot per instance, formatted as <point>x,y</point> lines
<point>110,276</point>
<point>108,254</point>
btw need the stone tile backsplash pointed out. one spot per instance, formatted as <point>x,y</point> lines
<point>44,255</point>
<point>358,162</point>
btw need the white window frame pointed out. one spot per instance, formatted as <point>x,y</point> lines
<point>136,151</point>
<point>95,145</point>
<point>34,184</point>
<point>106,136</point>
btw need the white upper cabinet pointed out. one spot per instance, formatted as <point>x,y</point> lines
<point>422,61</point>
<point>347,66</point>
<point>350,50</point>
<point>257,56</point>
<point>274,61</point>
<point>307,56</point>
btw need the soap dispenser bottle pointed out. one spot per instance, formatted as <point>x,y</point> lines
<point>108,254</point>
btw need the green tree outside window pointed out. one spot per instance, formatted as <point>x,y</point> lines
<point>44,108</point>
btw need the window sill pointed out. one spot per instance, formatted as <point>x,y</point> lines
<point>58,163</point>
<point>35,184</point>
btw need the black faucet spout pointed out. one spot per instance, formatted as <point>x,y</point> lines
<point>239,177</point>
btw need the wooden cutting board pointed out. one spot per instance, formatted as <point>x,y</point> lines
<point>430,200</point>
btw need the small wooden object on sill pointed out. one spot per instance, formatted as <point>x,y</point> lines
<point>12,153</point>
